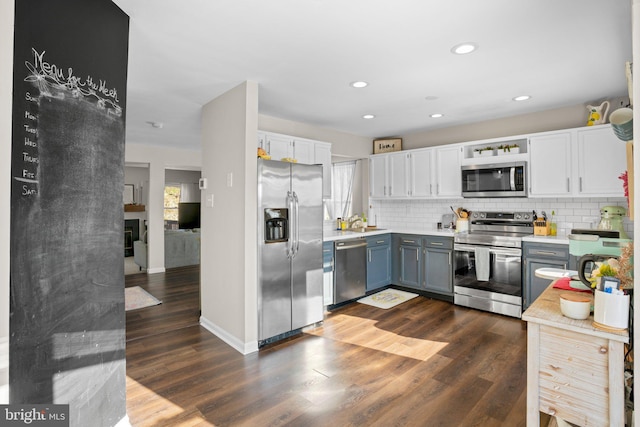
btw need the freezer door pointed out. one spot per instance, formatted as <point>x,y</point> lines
<point>307,290</point>
<point>274,272</point>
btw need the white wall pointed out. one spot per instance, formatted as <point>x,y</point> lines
<point>559,118</point>
<point>6,85</point>
<point>228,272</point>
<point>159,159</point>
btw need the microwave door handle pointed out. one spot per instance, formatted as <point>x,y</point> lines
<point>512,178</point>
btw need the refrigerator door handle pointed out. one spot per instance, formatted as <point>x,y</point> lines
<point>297,221</point>
<point>290,224</point>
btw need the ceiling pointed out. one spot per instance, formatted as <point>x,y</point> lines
<point>305,53</point>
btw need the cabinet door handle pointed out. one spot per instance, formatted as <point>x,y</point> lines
<point>417,255</point>
<point>568,185</point>
<point>436,243</point>
<point>545,253</point>
<point>581,184</point>
<point>379,241</point>
<point>430,188</point>
<point>449,258</point>
<point>369,255</point>
<point>409,241</point>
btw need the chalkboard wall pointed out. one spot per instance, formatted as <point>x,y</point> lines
<point>67,321</point>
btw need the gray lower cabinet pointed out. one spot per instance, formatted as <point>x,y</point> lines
<point>540,255</point>
<point>423,262</point>
<point>438,264</point>
<point>378,261</point>
<point>408,260</point>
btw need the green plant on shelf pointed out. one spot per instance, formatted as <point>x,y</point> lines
<point>507,147</point>
<point>488,148</point>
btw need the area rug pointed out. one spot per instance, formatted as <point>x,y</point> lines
<point>135,297</point>
<point>387,298</point>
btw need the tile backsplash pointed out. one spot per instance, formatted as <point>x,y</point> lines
<point>423,215</point>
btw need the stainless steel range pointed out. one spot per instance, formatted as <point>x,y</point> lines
<point>488,262</point>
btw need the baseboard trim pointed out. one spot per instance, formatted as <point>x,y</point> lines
<point>155,270</point>
<point>241,347</point>
<point>124,422</point>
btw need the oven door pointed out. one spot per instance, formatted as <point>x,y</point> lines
<point>502,293</point>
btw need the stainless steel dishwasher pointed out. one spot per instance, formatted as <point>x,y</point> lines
<point>350,270</point>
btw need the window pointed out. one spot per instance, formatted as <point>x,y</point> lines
<point>171,200</point>
<point>340,204</point>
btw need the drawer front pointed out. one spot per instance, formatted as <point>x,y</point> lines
<point>547,251</point>
<point>379,240</point>
<point>439,242</point>
<point>411,240</point>
<point>574,376</point>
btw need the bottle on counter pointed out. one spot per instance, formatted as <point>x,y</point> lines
<point>339,223</point>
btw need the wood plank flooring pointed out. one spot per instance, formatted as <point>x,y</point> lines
<point>422,363</point>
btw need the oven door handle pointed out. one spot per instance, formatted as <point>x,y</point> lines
<point>505,251</point>
<point>492,250</point>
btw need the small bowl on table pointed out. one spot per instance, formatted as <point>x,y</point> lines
<point>575,305</point>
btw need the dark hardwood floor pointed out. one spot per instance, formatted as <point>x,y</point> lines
<point>422,363</point>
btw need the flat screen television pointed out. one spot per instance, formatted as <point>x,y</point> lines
<point>189,215</point>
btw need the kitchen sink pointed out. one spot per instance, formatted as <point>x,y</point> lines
<point>363,229</point>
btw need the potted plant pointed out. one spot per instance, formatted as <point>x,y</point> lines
<point>508,149</point>
<point>483,152</point>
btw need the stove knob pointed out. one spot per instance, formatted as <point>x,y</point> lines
<point>518,216</point>
<point>475,214</point>
<point>526,216</point>
<point>482,215</point>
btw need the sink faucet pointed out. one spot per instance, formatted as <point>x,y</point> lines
<point>353,221</point>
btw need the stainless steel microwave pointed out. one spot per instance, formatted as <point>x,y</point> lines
<point>495,180</point>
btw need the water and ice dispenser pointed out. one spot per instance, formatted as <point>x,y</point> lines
<point>276,225</point>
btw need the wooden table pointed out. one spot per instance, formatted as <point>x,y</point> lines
<point>574,371</point>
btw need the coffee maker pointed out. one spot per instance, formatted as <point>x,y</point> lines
<point>611,219</point>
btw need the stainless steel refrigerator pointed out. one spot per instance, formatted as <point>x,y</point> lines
<point>289,248</point>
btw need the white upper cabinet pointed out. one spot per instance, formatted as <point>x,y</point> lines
<point>550,165</point>
<point>378,175</point>
<point>448,174</point>
<point>584,162</point>
<point>388,175</point>
<point>601,160</point>
<point>397,175</point>
<point>421,173</point>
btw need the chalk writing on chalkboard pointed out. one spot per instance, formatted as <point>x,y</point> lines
<point>52,81</point>
<point>55,83</point>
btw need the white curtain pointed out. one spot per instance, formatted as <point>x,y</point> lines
<point>342,175</point>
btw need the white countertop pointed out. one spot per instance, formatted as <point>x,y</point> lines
<point>559,240</point>
<point>333,235</point>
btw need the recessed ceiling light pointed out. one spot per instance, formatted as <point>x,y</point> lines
<point>522,98</point>
<point>359,84</point>
<point>368,116</point>
<point>464,48</point>
<point>436,115</point>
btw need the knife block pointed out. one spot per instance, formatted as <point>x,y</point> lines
<point>541,228</point>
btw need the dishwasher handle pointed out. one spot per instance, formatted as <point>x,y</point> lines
<point>350,245</point>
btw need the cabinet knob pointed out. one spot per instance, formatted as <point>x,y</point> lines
<point>604,350</point>
<point>552,412</point>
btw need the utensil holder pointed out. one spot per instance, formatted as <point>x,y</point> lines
<point>462,225</point>
<point>611,310</point>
